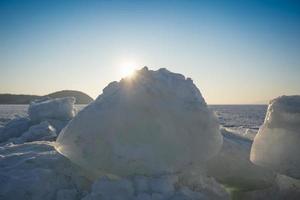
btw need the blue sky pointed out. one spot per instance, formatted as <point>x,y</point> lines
<point>235,51</point>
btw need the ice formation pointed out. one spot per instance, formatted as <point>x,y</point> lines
<point>37,171</point>
<point>46,119</point>
<point>232,165</point>
<point>283,187</point>
<point>276,145</point>
<point>59,109</point>
<point>43,131</point>
<point>14,128</point>
<point>156,122</point>
<point>169,187</point>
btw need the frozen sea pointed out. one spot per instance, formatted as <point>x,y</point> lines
<point>237,118</point>
<point>240,119</point>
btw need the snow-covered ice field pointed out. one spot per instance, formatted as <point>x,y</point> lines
<point>238,118</point>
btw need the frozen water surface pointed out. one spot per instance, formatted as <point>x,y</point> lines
<point>35,170</point>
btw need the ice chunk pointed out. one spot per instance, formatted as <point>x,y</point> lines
<point>153,123</point>
<point>37,171</point>
<point>59,109</point>
<point>277,143</point>
<point>14,128</point>
<point>42,131</point>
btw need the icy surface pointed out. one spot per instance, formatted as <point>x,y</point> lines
<point>243,120</point>
<point>156,188</point>
<point>232,165</point>
<point>47,117</point>
<point>283,187</point>
<point>40,132</point>
<point>59,109</point>
<point>14,128</point>
<point>277,143</point>
<point>9,112</point>
<point>37,171</point>
<point>155,123</point>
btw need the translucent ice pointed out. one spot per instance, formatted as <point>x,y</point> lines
<point>153,123</point>
<point>277,144</point>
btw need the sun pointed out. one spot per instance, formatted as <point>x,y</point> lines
<point>128,70</point>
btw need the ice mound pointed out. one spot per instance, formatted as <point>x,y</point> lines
<point>277,143</point>
<point>59,109</point>
<point>155,188</point>
<point>153,123</point>
<point>37,171</point>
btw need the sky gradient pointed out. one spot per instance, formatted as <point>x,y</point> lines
<point>237,52</point>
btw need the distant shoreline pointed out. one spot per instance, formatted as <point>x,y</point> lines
<point>23,99</point>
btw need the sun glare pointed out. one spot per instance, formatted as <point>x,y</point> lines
<point>127,70</point>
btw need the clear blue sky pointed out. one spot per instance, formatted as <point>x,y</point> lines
<point>235,51</point>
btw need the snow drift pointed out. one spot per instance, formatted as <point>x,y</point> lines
<point>153,123</point>
<point>277,143</point>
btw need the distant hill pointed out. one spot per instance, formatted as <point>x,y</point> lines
<point>81,98</point>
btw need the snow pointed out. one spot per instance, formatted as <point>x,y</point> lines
<point>9,112</point>
<point>59,109</point>
<point>37,171</point>
<point>156,122</point>
<point>276,145</point>
<point>283,187</point>
<point>232,166</point>
<point>14,128</point>
<point>47,117</point>
<point>154,188</point>
<point>244,120</point>
<point>43,131</point>
<point>150,137</point>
